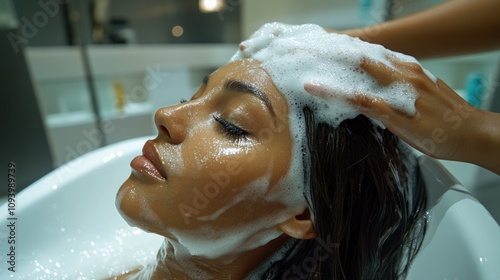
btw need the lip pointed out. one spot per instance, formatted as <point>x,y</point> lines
<point>149,164</point>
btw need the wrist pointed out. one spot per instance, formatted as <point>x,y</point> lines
<point>483,140</point>
<point>361,33</point>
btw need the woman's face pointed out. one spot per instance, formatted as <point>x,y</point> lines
<point>217,160</point>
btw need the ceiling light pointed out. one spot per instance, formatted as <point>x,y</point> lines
<point>211,6</point>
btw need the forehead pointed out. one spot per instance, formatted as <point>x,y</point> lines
<point>243,69</point>
<point>249,71</point>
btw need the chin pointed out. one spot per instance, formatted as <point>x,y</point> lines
<point>132,206</point>
<point>127,204</point>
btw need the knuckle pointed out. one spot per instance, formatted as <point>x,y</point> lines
<point>419,82</point>
<point>364,101</point>
<point>414,67</point>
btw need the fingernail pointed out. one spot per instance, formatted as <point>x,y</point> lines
<point>312,89</point>
<point>313,86</point>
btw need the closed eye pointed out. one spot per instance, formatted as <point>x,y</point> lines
<point>232,131</point>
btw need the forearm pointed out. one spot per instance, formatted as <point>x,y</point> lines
<point>452,28</point>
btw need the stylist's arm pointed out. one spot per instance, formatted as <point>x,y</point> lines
<point>453,27</point>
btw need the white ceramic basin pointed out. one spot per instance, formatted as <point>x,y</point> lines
<point>463,239</point>
<point>67,223</point>
<point>67,226</point>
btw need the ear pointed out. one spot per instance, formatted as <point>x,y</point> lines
<point>299,227</point>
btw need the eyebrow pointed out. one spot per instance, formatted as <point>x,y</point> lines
<point>239,86</point>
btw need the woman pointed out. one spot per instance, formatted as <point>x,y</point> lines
<point>239,193</point>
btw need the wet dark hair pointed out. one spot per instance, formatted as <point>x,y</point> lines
<point>367,206</point>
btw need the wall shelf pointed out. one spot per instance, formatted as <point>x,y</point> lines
<point>65,61</point>
<point>60,83</point>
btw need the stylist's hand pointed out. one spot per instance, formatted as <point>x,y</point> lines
<point>441,126</point>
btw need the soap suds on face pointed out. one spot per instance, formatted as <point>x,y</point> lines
<point>247,234</point>
<point>296,55</point>
<point>177,166</point>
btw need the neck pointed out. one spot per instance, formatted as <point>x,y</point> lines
<point>173,262</point>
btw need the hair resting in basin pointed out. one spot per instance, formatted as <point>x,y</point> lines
<point>369,219</point>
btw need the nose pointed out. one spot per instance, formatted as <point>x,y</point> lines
<point>171,123</point>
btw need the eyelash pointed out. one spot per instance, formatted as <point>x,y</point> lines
<point>232,131</point>
<point>229,129</point>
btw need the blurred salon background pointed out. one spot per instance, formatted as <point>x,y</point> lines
<point>78,75</point>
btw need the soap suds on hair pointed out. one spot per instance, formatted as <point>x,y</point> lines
<point>294,55</point>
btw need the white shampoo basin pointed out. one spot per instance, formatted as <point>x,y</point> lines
<point>67,226</point>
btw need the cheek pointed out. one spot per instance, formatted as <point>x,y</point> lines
<point>219,173</point>
<point>214,158</point>
<point>234,184</point>
<point>221,170</point>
